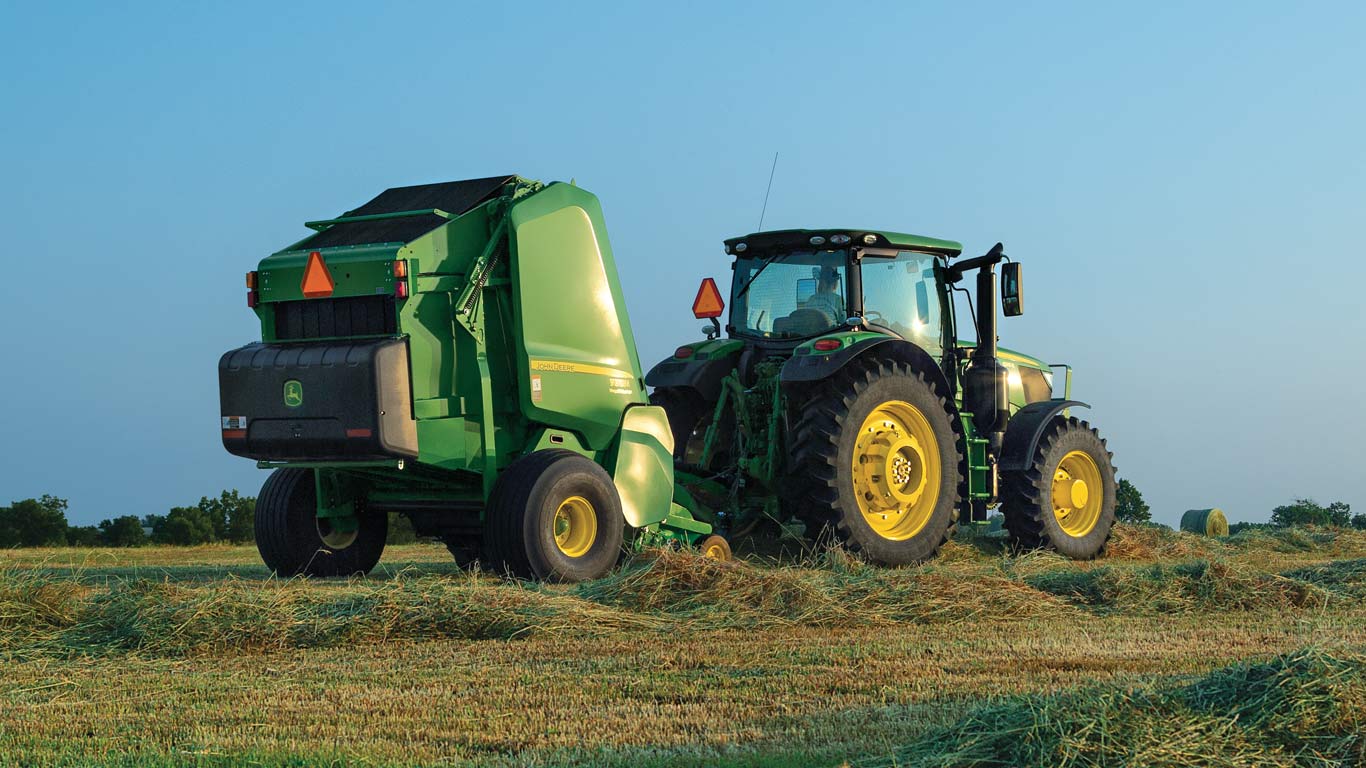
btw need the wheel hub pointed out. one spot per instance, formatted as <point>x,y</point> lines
<point>1076,504</point>
<point>575,526</point>
<point>896,470</point>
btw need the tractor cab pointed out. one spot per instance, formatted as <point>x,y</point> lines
<point>792,286</point>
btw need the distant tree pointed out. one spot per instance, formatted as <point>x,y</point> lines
<point>183,526</point>
<point>125,531</point>
<point>83,536</point>
<point>1309,512</point>
<point>34,523</point>
<point>1240,527</point>
<point>233,516</point>
<point>1129,504</point>
<point>1359,521</point>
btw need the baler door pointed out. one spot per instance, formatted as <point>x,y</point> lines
<point>318,402</point>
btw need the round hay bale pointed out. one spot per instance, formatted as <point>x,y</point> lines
<point>1205,522</point>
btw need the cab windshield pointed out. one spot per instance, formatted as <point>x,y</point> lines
<point>794,295</point>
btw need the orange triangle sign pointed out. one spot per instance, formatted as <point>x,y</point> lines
<point>317,280</point>
<point>708,302</point>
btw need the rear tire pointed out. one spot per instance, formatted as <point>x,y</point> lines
<point>1055,503</point>
<point>290,536</point>
<point>689,418</point>
<point>876,460</point>
<point>554,515</point>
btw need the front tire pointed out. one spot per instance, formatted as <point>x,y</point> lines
<point>294,541</point>
<point>554,515</point>
<point>1065,500</point>
<point>877,456</point>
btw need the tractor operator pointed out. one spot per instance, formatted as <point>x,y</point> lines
<point>827,297</point>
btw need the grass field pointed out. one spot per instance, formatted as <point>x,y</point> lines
<point>1173,650</point>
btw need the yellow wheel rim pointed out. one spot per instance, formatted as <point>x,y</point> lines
<point>716,548</point>
<point>896,470</point>
<point>576,526</point>
<point>1077,493</point>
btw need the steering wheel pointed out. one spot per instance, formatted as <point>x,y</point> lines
<point>874,316</point>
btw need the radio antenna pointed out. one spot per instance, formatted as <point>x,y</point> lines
<point>771,171</point>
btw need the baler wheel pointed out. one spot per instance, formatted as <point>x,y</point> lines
<point>1065,500</point>
<point>715,547</point>
<point>294,542</point>
<point>877,461</point>
<point>554,515</point>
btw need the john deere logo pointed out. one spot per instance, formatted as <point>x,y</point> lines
<point>294,393</point>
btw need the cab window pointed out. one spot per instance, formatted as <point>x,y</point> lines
<point>901,295</point>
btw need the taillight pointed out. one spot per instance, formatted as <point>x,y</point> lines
<point>401,290</point>
<point>400,268</point>
<point>253,298</point>
<point>827,345</point>
<point>682,352</point>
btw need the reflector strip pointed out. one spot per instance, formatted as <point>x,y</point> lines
<point>708,302</point>
<point>317,282</point>
<point>234,434</point>
<point>358,433</point>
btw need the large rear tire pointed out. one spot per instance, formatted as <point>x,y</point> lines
<point>554,515</point>
<point>293,541</point>
<point>1065,500</point>
<point>876,460</point>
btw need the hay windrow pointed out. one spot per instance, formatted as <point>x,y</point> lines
<point>1302,708</point>
<point>1199,585</point>
<point>171,620</point>
<point>844,593</point>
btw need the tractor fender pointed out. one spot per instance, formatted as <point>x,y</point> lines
<point>702,375</point>
<point>1025,429</point>
<point>812,367</point>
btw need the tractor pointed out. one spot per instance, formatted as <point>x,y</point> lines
<point>840,402</point>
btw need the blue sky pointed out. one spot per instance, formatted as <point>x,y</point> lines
<point>1184,184</point>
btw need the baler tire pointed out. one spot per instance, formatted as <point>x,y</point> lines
<point>1027,502</point>
<point>524,509</point>
<point>288,538</point>
<point>824,444</point>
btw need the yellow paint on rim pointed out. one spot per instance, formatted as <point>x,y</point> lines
<point>576,526</point>
<point>896,470</point>
<point>1078,493</point>
<point>716,548</point>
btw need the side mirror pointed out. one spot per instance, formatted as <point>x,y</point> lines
<point>1012,289</point>
<point>922,303</point>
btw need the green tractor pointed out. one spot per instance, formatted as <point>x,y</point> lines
<point>458,353</point>
<point>840,398</point>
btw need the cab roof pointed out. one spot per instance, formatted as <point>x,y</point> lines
<point>778,239</point>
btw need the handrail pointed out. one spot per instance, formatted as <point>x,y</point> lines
<point>325,223</point>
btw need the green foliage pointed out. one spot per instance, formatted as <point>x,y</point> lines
<point>125,531</point>
<point>233,516</point>
<point>400,530</point>
<point>1129,504</point>
<point>33,523</point>
<point>1308,512</point>
<point>184,526</point>
<point>1237,528</point>
<point>83,536</point>
<point>1359,521</point>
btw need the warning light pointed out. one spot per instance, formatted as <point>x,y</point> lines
<point>708,302</point>
<point>400,268</point>
<point>317,280</point>
<point>251,281</point>
<point>827,345</point>
<point>683,352</point>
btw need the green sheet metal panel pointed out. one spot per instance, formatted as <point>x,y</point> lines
<point>644,471</point>
<point>576,358</point>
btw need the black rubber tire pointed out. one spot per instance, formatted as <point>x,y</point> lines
<point>288,538</point>
<point>689,417</point>
<point>1027,496</point>
<point>465,550</point>
<point>823,443</point>
<point>519,533</point>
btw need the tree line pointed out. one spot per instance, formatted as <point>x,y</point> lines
<point>228,518</point>
<point>1130,508</point>
<point>42,523</point>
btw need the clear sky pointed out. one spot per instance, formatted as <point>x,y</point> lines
<point>1183,181</point>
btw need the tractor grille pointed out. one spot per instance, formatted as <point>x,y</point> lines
<point>332,318</point>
